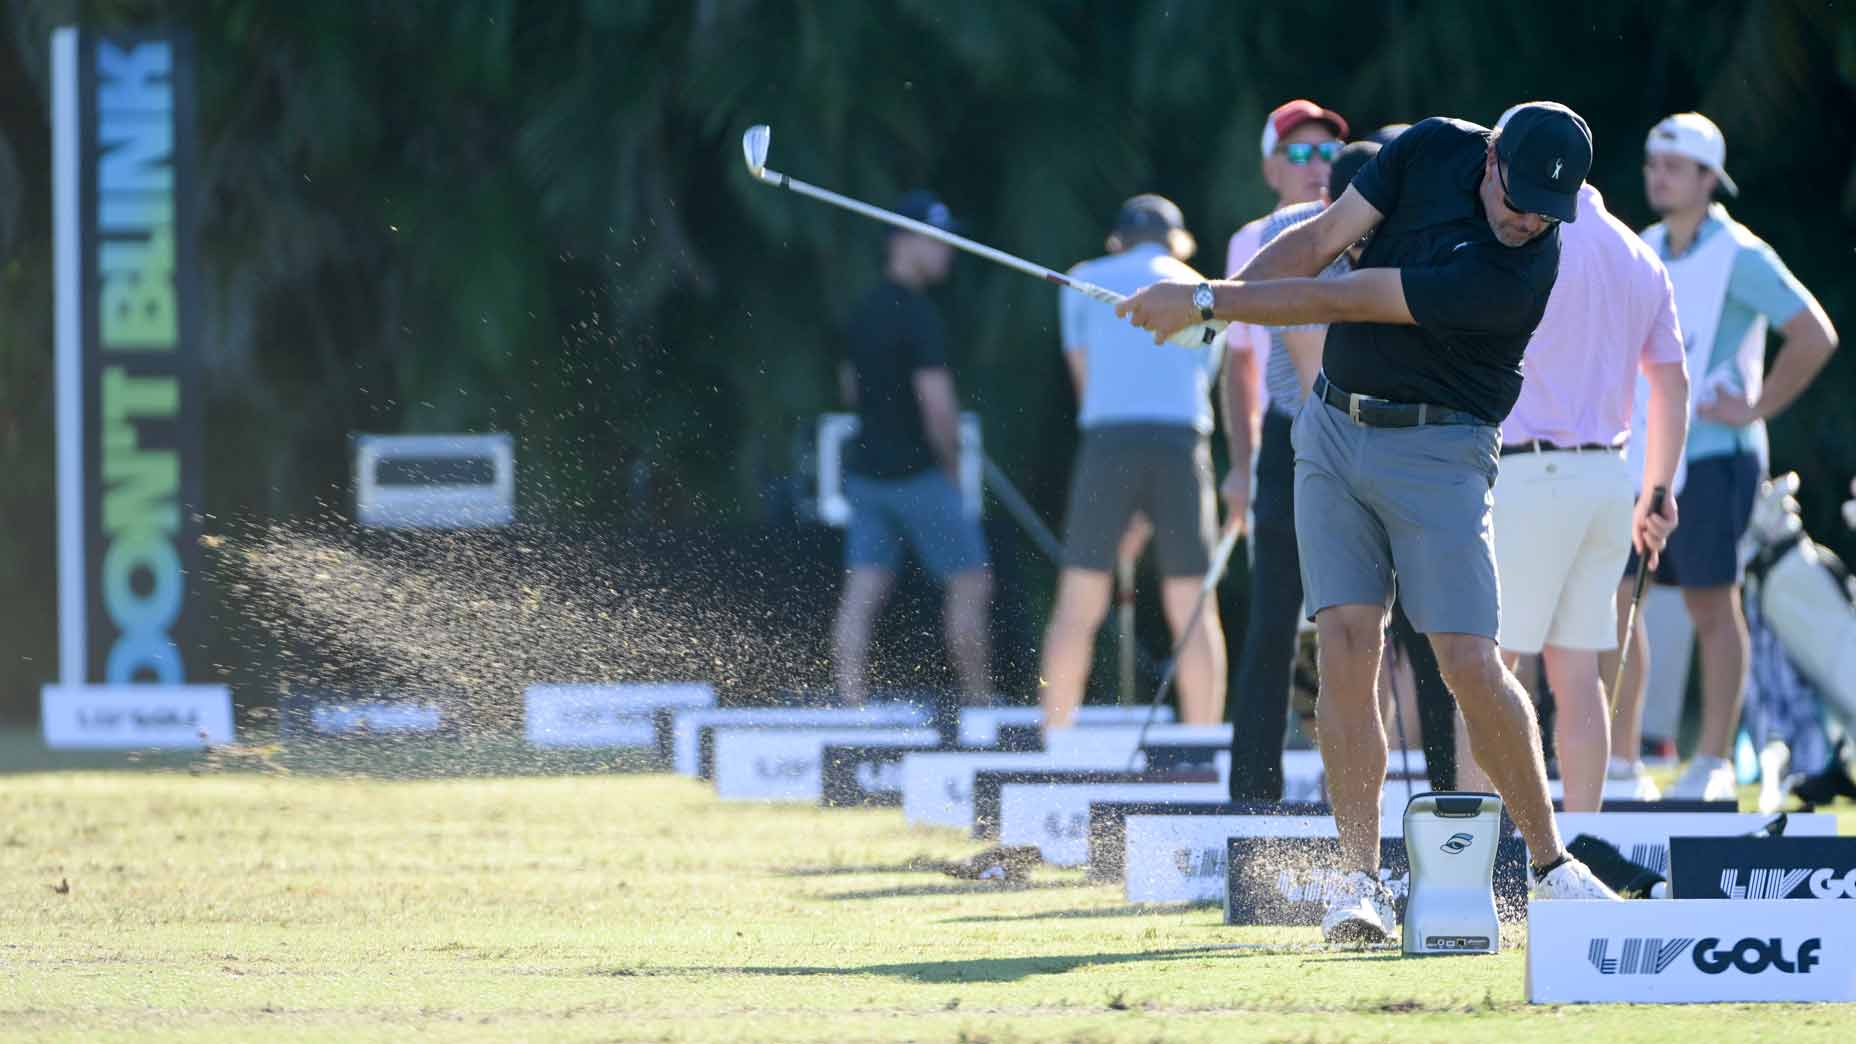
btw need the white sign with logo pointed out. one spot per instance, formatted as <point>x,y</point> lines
<point>375,718</point>
<point>685,731</point>
<point>1675,951</point>
<point>784,764</point>
<point>1125,738</point>
<point>1055,816</point>
<point>1643,837</point>
<point>604,715</point>
<point>979,726</point>
<point>1181,858</point>
<point>937,786</point>
<point>124,717</point>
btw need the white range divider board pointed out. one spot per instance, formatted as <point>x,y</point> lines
<point>979,726</point>
<point>1055,816</point>
<point>787,764</point>
<point>1126,738</point>
<point>684,730</point>
<point>127,717</point>
<point>604,714</point>
<point>1643,837</point>
<point>1691,951</point>
<point>1172,859</point>
<point>937,786</point>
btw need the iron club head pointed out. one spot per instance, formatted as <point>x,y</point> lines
<point>754,147</point>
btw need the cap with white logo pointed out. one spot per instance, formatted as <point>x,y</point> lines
<point>1547,149</point>
<point>1693,135</point>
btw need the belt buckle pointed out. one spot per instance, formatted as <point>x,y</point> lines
<point>1353,407</point>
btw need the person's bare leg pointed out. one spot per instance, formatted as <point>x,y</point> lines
<point>965,610</point>
<point>1469,774</point>
<point>865,591</point>
<point>1581,726</point>
<point>1627,702</point>
<point>1720,631</point>
<point>1070,643</point>
<point>1353,739</point>
<point>1504,730</point>
<point>1201,678</point>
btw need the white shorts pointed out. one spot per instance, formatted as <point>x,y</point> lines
<point>1562,536</point>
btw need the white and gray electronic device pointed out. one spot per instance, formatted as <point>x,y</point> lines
<point>1450,839</point>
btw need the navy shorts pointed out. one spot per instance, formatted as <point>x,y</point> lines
<point>922,512</point>
<point>1712,513</point>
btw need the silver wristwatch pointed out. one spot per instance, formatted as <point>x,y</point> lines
<point>1202,300</point>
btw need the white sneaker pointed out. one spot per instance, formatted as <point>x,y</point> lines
<point>1359,911</point>
<point>1571,880</point>
<point>1638,775</point>
<point>1706,779</point>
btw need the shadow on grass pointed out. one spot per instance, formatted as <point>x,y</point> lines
<point>1126,910</point>
<point>952,888</point>
<point>992,969</point>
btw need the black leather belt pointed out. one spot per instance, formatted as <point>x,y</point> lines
<point>1543,446</point>
<point>1383,413</point>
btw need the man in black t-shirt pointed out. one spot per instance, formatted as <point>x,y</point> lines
<point>902,478</point>
<point>1395,451</point>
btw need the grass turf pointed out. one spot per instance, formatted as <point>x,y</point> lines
<point>157,904</point>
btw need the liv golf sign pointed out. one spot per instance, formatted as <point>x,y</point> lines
<point>128,400</point>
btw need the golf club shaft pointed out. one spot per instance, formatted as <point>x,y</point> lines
<point>996,256</point>
<point>1657,496</point>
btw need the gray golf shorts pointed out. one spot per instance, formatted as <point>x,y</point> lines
<point>1405,509</point>
<point>1161,470</point>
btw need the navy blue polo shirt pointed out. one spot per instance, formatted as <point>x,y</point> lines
<point>1476,301</point>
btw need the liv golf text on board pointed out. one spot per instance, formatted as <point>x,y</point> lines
<point>138,337</point>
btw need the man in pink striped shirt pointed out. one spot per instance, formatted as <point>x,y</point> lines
<point>1564,517</point>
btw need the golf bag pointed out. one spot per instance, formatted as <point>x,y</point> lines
<point>1802,594</point>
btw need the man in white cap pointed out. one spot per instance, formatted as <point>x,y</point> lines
<point>1729,287</point>
<point>1564,518</point>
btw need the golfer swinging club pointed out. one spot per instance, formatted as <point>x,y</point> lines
<point>1396,449</point>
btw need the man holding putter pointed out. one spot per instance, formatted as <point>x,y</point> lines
<point>1396,449</point>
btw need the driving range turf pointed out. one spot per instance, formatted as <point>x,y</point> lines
<point>222,903</point>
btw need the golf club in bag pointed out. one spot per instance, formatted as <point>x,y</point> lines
<point>754,145</point>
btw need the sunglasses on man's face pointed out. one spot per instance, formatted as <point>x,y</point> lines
<point>1501,178</point>
<point>1302,153</point>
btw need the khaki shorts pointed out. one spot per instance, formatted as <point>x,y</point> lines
<point>1562,534</point>
<point>1162,471</point>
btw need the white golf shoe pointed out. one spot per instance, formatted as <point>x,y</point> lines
<point>1635,773</point>
<point>1359,911</point>
<point>1571,880</point>
<point>1706,779</point>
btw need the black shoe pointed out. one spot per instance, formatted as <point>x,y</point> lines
<point>1628,879</point>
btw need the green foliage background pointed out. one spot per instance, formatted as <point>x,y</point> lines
<point>530,216</point>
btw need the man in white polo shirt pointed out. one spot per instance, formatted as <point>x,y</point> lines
<point>1729,288</point>
<point>1146,415</point>
<point>1564,516</point>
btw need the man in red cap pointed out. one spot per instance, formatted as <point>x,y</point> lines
<point>1300,142</point>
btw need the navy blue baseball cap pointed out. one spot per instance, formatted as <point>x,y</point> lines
<point>1149,214</point>
<point>927,208</point>
<point>1546,149</point>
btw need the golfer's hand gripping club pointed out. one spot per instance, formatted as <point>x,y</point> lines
<point>1657,496</point>
<point>754,145</point>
